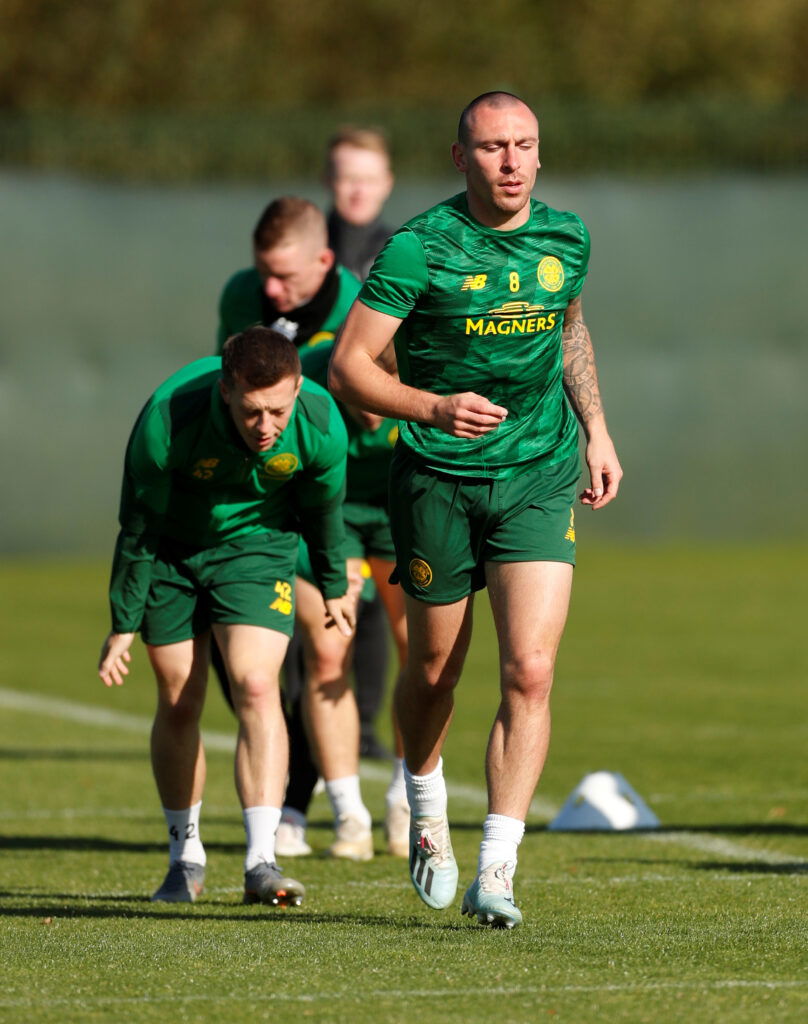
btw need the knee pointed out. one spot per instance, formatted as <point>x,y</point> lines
<point>529,677</point>
<point>435,676</point>
<point>180,706</point>
<point>326,673</point>
<point>254,690</point>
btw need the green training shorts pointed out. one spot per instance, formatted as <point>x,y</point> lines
<point>247,581</point>
<point>446,528</point>
<point>367,535</point>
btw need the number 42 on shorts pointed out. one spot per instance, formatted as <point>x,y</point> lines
<point>283,602</point>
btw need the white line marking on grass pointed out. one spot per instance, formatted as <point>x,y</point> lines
<point>87,714</point>
<point>356,995</point>
<point>476,795</point>
<point>723,847</point>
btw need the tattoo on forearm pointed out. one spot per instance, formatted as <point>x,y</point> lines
<point>580,375</point>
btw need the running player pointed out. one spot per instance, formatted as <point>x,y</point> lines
<point>296,286</point>
<point>329,699</point>
<point>360,179</point>
<point>483,296</point>
<point>229,461</point>
<point>294,281</point>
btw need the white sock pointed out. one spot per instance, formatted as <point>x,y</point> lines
<point>292,816</point>
<point>501,837</point>
<point>183,835</point>
<point>397,790</point>
<point>346,799</point>
<point>260,824</point>
<point>426,794</point>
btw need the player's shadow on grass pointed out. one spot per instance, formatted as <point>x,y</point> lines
<point>70,754</point>
<point>52,912</point>
<point>762,828</point>
<point>98,844</point>
<point>747,828</point>
<point>750,867</point>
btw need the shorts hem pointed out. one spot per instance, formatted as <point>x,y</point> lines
<point>511,557</point>
<point>439,599</point>
<point>261,625</point>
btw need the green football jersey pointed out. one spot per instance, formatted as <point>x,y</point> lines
<point>241,305</point>
<point>369,451</point>
<point>189,478</point>
<point>483,311</point>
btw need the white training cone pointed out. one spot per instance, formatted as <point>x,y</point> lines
<point>603,802</point>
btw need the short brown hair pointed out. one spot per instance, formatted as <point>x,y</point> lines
<point>259,357</point>
<point>286,216</point>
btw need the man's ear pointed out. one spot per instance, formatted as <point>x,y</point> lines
<point>327,258</point>
<point>459,157</point>
<point>224,391</point>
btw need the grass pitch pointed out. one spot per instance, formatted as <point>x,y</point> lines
<point>684,670</point>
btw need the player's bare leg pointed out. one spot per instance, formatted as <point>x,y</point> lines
<point>178,761</point>
<point>253,656</point>
<point>439,636</point>
<point>397,810</point>
<point>178,758</point>
<point>529,601</point>
<point>329,701</point>
<point>333,719</point>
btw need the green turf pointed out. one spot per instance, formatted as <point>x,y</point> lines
<point>684,670</point>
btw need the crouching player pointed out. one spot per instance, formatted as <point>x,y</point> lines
<point>230,461</point>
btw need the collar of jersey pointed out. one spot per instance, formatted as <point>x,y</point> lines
<point>496,232</point>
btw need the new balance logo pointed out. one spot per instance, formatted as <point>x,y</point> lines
<point>474,282</point>
<point>570,534</point>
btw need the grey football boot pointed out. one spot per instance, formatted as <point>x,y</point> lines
<point>266,883</point>
<point>183,883</point>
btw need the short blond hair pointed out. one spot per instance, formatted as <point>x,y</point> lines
<point>373,139</point>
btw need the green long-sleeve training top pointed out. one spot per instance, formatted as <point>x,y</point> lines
<point>190,479</point>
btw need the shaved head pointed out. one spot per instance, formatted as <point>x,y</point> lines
<point>498,100</point>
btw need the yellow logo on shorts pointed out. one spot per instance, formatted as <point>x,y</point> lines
<point>280,465</point>
<point>203,470</point>
<point>550,274</point>
<point>318,339</point>
<point>392,437</point>
<point>283,602</point>
<point>420,573</point>
<point>570,534</point>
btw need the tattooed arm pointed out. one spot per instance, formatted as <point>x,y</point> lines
<point>583,392</point>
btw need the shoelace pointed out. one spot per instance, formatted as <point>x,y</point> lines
<point>500,875</point>
<point>427,843</point>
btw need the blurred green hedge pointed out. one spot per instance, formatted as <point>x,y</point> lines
<point>649,138</point>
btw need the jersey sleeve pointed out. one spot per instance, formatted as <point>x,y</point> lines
<point>398,277</point>
<point>576,289</point>
<point>320,494</point>
<point>144,499</point>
